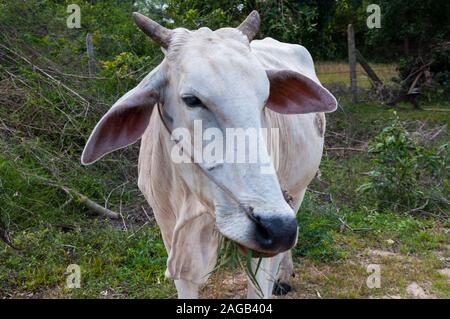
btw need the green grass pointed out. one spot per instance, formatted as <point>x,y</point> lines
<point>336,237</point>
<point>113,263</point>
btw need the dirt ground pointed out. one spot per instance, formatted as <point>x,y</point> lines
<point>344,279</point>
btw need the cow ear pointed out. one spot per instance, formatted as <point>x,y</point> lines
<point>295,93</point>
<point>125,122</point>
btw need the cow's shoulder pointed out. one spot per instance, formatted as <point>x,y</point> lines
<point>274,54</point>
<point>271,45</point>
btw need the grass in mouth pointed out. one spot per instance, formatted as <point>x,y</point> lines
<point>230,255</point>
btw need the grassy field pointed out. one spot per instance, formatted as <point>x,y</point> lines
<point>338,73</point>
<point>341,233</point>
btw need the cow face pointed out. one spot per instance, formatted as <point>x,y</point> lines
<point>211,79</point>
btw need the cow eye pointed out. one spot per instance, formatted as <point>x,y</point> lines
<point>192,101</point>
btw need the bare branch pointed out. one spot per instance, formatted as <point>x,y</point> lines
<point>89,203</point>
<point>35,67</point>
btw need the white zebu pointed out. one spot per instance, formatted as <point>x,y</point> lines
<point>226,80</point>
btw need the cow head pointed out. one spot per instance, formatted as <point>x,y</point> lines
<point>213,76</point>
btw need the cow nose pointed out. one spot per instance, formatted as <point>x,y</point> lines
<point>275,233</point>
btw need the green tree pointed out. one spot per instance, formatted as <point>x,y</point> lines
<point>409,28</point>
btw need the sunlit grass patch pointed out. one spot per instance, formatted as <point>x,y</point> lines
<point>347,277</point>
<point>338,73</point>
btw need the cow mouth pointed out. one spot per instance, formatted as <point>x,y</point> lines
<point>254,253</point>
<point>247,251</point>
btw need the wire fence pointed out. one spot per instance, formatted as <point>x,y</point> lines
<point>338,74</point>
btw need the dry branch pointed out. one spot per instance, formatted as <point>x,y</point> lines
<point>436,110</point>
<point>4,236</point>
<point>35,67</point>
<point>89,203</point>
<point>420,208</point>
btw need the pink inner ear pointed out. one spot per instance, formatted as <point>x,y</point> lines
<point>123,125</point>
<point>294,93</point>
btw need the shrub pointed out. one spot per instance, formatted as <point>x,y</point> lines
<point>317,224</point>
<point>405,174</point>
<point>125,71</point>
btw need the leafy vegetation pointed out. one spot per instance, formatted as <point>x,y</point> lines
<point>406,173</point>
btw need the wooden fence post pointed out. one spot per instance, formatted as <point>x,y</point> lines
<point>352,62</point>
<point>90,53</point>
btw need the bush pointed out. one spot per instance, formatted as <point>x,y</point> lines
<point>125,71</point>
<point>405,174</point>
<point>317,224</point>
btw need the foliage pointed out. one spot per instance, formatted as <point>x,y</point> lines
<point>113,263</point>
<point>402,169</point>
<point>406,35</point>
<point>317,224</point>
<point>440,67</point>
<point>311,23</point>
<point>45,224</point>
<point>125,70</point>
<point>321,26</point>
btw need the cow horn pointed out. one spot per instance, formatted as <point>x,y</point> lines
<point>250,26</point>
<point>153,29</point>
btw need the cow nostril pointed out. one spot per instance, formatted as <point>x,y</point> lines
<point>262,232</point>
<point>277,233</point>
